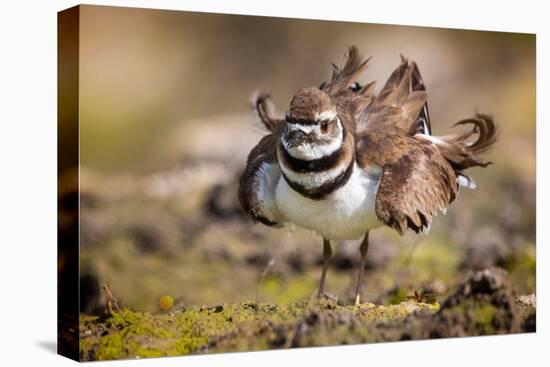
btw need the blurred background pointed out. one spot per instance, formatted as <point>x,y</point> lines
<point>166,124</point>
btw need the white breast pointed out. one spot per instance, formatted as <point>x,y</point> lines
<point>346,213</point>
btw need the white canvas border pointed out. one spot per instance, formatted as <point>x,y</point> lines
<point>28,202</point>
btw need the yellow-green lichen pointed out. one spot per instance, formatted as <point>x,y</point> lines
<point>240,326</point>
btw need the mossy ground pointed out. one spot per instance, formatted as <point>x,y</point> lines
<point>232,327</point>
<point>483,304</point>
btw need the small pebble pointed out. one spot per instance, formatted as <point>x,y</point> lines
<point>166,302</point>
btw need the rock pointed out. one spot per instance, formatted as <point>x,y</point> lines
<point>482,305</point>
<point>527,301</point>
<point>528,304</point>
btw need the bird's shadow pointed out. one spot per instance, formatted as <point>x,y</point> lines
<point>48,345</point>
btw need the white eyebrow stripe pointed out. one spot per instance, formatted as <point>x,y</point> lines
<point>325,115</point>
<point>305,128</point>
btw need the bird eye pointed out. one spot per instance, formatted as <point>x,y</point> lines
<point>324,127</point>
<point>355,87</point>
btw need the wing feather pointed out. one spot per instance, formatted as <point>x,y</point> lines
<point>417,180</point>
<point>258,180</point>
<point>415,187</point>
<point>400,104</point>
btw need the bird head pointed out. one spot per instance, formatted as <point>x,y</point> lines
<point>312,129</point>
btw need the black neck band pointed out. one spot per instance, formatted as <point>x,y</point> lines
<point>314,165</point>
<point>320,192</point>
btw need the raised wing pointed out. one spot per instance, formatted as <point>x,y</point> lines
<point>415,187</point>
<point>421,173</point>
<point>417,181</point>
<point>261,174</point>
<point>399,110</point>
<point>344,89</point>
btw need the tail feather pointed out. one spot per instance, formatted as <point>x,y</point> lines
<point>263,105</point>
<point>486,130</point>
<point>463,153</point>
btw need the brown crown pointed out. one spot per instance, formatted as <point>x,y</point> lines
<point>306,103</point>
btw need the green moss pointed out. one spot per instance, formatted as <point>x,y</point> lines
<point>477,317</point>
<point>398,296</point>
<point>371,312</point>
<point>484,314</point>
<point>240,326</point>
<point>111,347</point>
<point>522,269</point>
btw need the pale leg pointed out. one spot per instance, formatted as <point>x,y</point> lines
<point>327,253</point>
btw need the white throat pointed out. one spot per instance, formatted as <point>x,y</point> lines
<point>314,151</point>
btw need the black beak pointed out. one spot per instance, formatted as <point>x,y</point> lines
<point>296,138</point>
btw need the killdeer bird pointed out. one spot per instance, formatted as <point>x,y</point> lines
<point>344,161</point>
